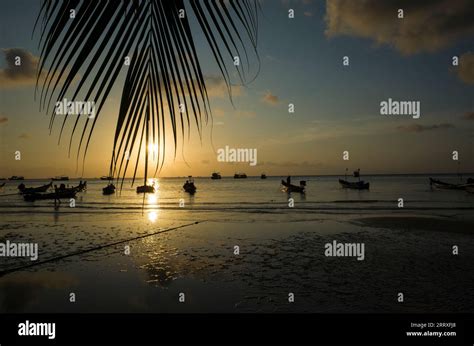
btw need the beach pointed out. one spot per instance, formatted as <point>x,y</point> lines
<point>281,250</point>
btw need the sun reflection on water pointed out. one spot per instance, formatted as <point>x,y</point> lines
<point>153,182</point>
<point>152,216</point>
<point>152,199</point>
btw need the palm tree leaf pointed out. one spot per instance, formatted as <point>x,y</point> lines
<point>82,58</point>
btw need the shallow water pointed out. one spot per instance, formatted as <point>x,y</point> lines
<point>254,195</point>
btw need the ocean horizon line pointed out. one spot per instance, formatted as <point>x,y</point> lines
<point>268,176</point>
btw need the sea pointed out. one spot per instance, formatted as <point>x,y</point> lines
<point>242,197</point>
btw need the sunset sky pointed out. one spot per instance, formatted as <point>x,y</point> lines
<point>337,107</point>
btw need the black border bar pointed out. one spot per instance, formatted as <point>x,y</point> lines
<point>291,329</point>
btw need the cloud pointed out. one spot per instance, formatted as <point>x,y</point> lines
<point>468,116</point>
<point>24,136</point>
<point>421,128</point>
<point>22,75</point>
<point>216,87</point>
<point>465,70</point>
<point>270,99</point>
<point>3,120</point>
<point>218,112</point>
<point>323,130</point>
<point>427,26</point>
<point>245,114</point>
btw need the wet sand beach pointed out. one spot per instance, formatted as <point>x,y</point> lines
<point>403,253</point>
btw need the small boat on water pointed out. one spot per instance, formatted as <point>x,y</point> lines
<point>189,186</point>
<point>356,185</point>
<point>215,176</point>
<point>79,188</point>
<point>449,186</point>
<point>31,197</point>
<point>263,176</point>
<point>146,189</point>
<point>240,176</point>
<point>109,189</point>
<point>288,187</point>
<point>60,178</point>
<point>14,177</point>
<point>28,190</point>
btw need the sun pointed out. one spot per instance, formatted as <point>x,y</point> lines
<point>153,148</point>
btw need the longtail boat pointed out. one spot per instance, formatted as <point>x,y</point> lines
<point>28,190</point>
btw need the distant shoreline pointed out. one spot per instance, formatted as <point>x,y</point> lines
<point>280,176</point>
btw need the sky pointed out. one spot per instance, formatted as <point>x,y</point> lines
<point>337,107</point>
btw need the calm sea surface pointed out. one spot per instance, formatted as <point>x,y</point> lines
<point>254,195</point>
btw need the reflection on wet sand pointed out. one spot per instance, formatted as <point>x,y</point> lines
<point>281,250</point>
<point>23,289</point>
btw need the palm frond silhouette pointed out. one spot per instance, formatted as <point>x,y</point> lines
<point>84,45</point>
